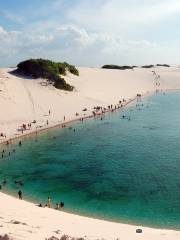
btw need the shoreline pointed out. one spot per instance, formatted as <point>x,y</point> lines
<point>127,104</point>
<point>97,218</point>
<point>72,225</point>
<point>74,120</point>
<point>71,121</point>
<point>24,101</point>
<point>121,222</point>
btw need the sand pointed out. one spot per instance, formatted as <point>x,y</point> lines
<point>39,223</point>
<point>23,100</point>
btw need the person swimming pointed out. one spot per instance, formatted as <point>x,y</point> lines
<point>4,182</point>
<point>19,182</point>
<point>59,205</point>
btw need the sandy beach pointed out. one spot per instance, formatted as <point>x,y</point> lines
<point>23,220</point>
<point>24,100</point>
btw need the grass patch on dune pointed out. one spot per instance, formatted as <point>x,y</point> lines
<point>117,67</point>
<point>47,69</point>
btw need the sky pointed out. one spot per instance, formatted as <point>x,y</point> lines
<point>90,32</point>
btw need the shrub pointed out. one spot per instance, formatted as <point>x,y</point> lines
<point>61,84</point>
<point>41,68</point>
<point>5,237</point>
<point>62,68</point>
<point>163,65</point>
<point>117,67</point>
<point>64,237</point>
<point>72,69</point>
<point>148,66</point>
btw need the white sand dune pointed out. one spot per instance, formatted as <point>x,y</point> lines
<point>23,100</point>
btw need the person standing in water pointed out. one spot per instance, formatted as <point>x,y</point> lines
<point>57,206</point>
<point>20,194</point>
<point>49,202</point>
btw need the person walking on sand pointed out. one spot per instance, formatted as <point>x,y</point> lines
<point>49,202</point>
<point>49,112</point>
<point>20,194</point>
<point>64,118</point>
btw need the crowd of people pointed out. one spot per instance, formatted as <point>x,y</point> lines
<point>58,205</point>
<point>98,110</point>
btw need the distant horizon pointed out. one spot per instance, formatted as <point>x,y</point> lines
<point>90,33</point>
<point>98,66</point>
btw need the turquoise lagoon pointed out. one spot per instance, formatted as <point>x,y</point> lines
<point>114,169</point>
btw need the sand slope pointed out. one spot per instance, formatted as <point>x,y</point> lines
<point>23,100</point>
<point>40,223</point>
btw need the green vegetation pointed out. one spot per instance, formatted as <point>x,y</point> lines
<point>63,67</point>
<point>72,69</point>
<point>163,65</point>
<point>64,237</point>
<point>148,66</point>
<point>40,68</point>
<point>117,67</point>
<point>132,67</point>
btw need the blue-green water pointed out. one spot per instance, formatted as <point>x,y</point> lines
<point>115,169</point>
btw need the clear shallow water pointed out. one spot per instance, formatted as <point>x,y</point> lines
<point>115,169</point>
